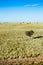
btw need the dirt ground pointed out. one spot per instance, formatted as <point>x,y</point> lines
<point>11,61</point>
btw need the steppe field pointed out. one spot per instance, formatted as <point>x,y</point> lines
<point>18,48</point>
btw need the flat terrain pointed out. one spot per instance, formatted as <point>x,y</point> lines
<point>15,44</point>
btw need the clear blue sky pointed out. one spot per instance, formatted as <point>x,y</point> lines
<point>21,10</point>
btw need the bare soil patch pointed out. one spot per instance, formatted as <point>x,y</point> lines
<point>22,60</point>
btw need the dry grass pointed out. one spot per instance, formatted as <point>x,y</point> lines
<point>15,44</point>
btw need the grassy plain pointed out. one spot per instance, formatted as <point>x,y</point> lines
<point>15,44</point>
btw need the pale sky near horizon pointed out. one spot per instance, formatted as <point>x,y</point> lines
<point>21,10</point>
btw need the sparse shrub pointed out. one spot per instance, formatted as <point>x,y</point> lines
<point>29,33</point>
